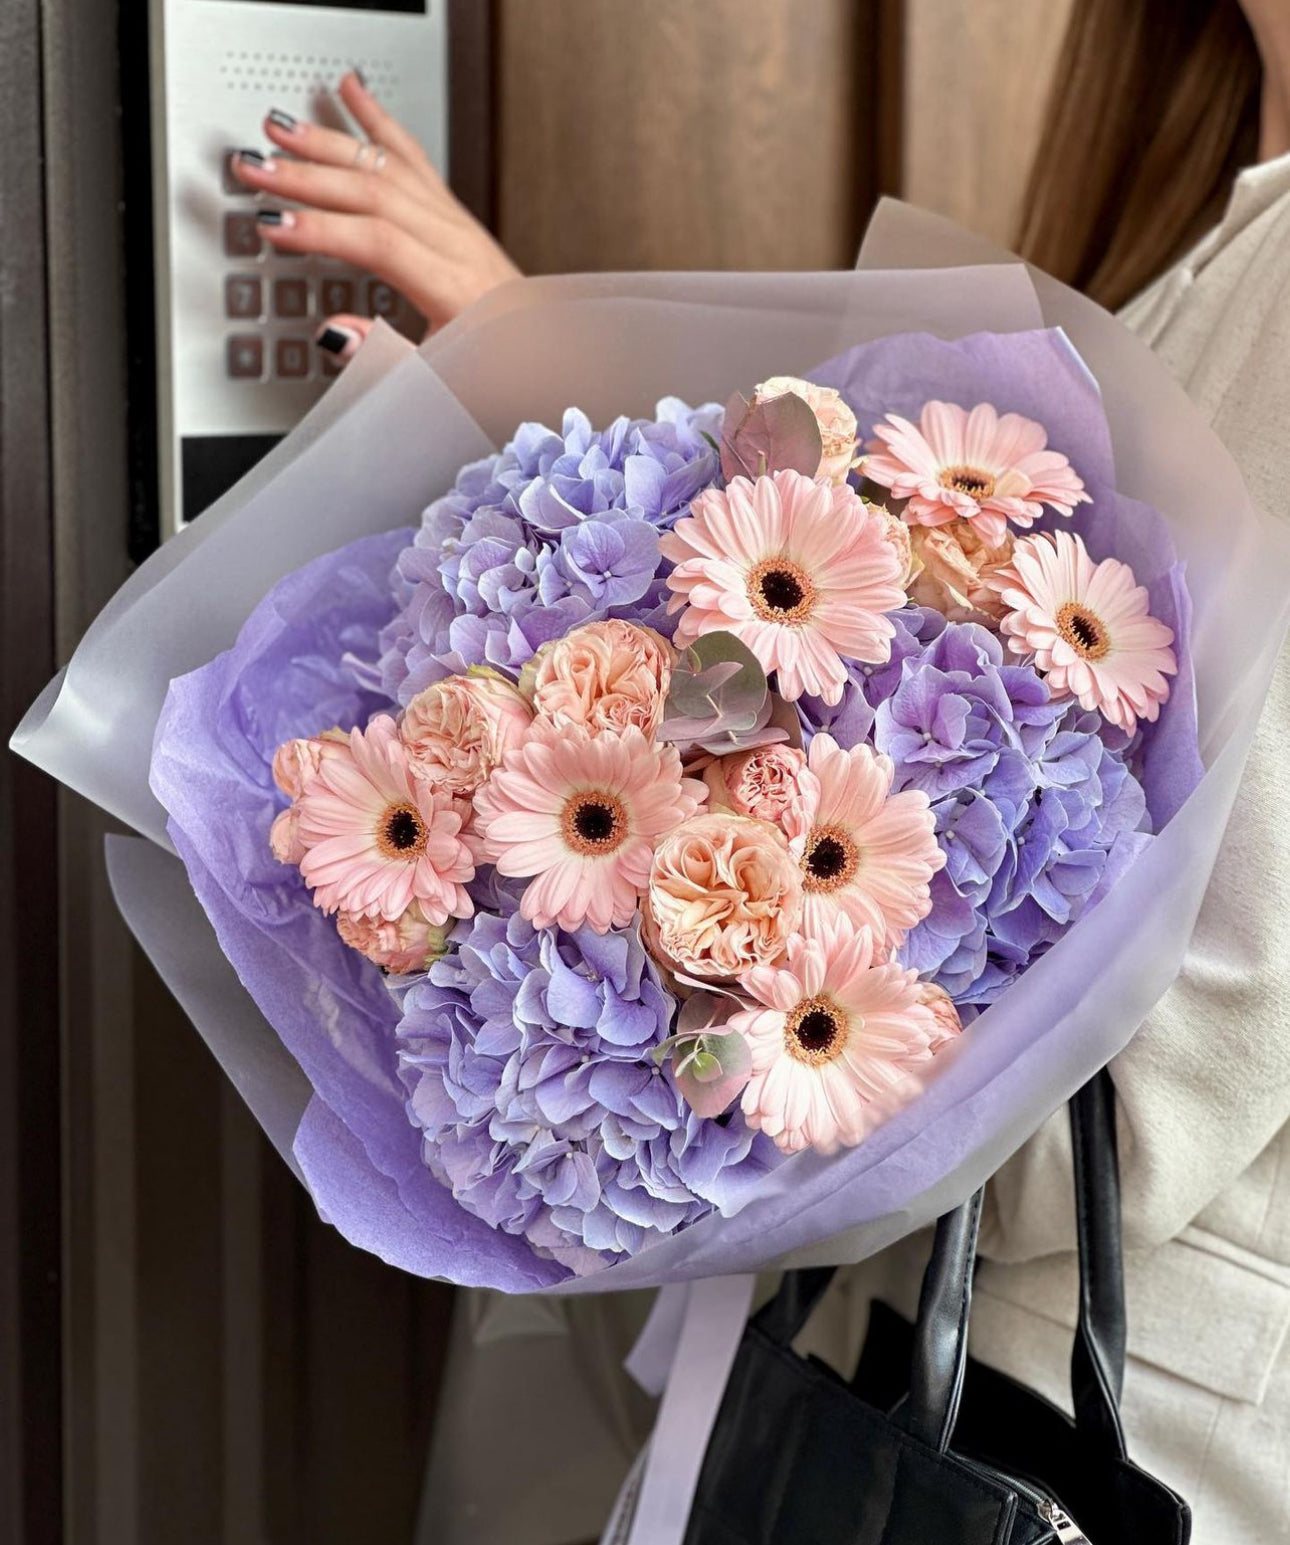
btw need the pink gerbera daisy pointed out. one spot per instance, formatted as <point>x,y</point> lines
<point>801,572</point>
<point>1087,627</point>
<point>867,854</point>
<point>977,466</point>
<point>582,815</point>
<point>376,839</point>
<point>838,1030</point>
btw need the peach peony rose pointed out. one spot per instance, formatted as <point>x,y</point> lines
<point>836,421</point>
<point>901,538</point>
<point>948,1023</point>
<point>768,783</point>
<point>459,729</point>
<point>296,761</point>
<point>953,570</point>
<point>284,836</point>
<point>725,894</point>
<point>409,943</point>
<point>608,675</point>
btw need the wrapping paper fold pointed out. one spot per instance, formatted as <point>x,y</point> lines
<point>389,438</point>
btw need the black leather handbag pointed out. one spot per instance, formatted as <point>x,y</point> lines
<point>925,1446</point>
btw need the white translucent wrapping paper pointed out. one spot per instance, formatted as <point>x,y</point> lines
<point>392,435</point>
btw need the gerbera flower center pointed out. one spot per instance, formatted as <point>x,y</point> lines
<point>968,480</point>
<point>1083,630</point>
<point>402,833</point>
<point>781,591</point>
<point>830,860</point>
<point>594,822</point>
<point>816,1031</point>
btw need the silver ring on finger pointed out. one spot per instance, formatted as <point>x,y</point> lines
<point>369,157</point>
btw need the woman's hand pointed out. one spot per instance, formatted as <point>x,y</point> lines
<point>377,204</point>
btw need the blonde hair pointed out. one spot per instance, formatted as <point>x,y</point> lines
<point>1154,109</point>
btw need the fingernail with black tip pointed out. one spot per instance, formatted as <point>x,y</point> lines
<point>358,76</point>
<point>283,121</point>
<point>339,341</point>
<point>261,163</point>
<point>280,217</point>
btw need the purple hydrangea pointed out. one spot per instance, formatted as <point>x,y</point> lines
<point>850,719</point>
<point>1036,808</point>
<point>958,717</point>
<point>553,531</point>
<point>527,1054</point>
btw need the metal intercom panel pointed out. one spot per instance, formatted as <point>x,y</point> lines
<point>235,362</point>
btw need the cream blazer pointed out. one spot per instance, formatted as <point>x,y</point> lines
<point>1204,1114</point>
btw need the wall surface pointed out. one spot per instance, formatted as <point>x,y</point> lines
<point>976,77</point>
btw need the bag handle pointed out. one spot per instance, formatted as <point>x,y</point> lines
<point>1098,1351</point>
<point>1097,1356</point>
<point>941,1332</point>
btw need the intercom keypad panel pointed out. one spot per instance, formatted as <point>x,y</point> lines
<point>237,365</point>
<point>274,302</point>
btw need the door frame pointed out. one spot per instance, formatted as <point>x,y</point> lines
<point>31,1408</point>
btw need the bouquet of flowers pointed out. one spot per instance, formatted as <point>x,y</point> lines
<point>678,822</point>
<point>707,837</point>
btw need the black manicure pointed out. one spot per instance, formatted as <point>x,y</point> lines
<point>252,157</point>
<point>334,339</point>
<point>283,120</point>
<point>268,216</point>
<point>358,76</point>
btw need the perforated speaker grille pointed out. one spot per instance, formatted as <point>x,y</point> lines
<point>262,70</point>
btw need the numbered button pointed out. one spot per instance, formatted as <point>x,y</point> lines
<point>241,235</point>
<point>232,183</point>
<point>243,296</point>
<point>335,295</point>
<point>382,300</point>
<point>245,357</point>
<point>291,297</point>
<point>291,358</point>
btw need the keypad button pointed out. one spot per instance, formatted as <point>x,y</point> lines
<point>230,180</point>
<point>291,297</point>
<point>382,299</point>
<point>291,358</point>
<point>243,296</point>
<point>245,357</point>
<point>241,235</point>
<point>335,295</point>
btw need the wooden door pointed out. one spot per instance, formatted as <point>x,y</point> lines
<point>975,81</point>
<point>693,134</point>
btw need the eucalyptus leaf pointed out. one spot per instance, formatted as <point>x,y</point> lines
<point>781,435</point>
<point>731,1052</point>
<point>711,1065</point>
<point>702,1066</point>
<point>712,1075</point>
<point>718,699</point>
<point>703,1010</point>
